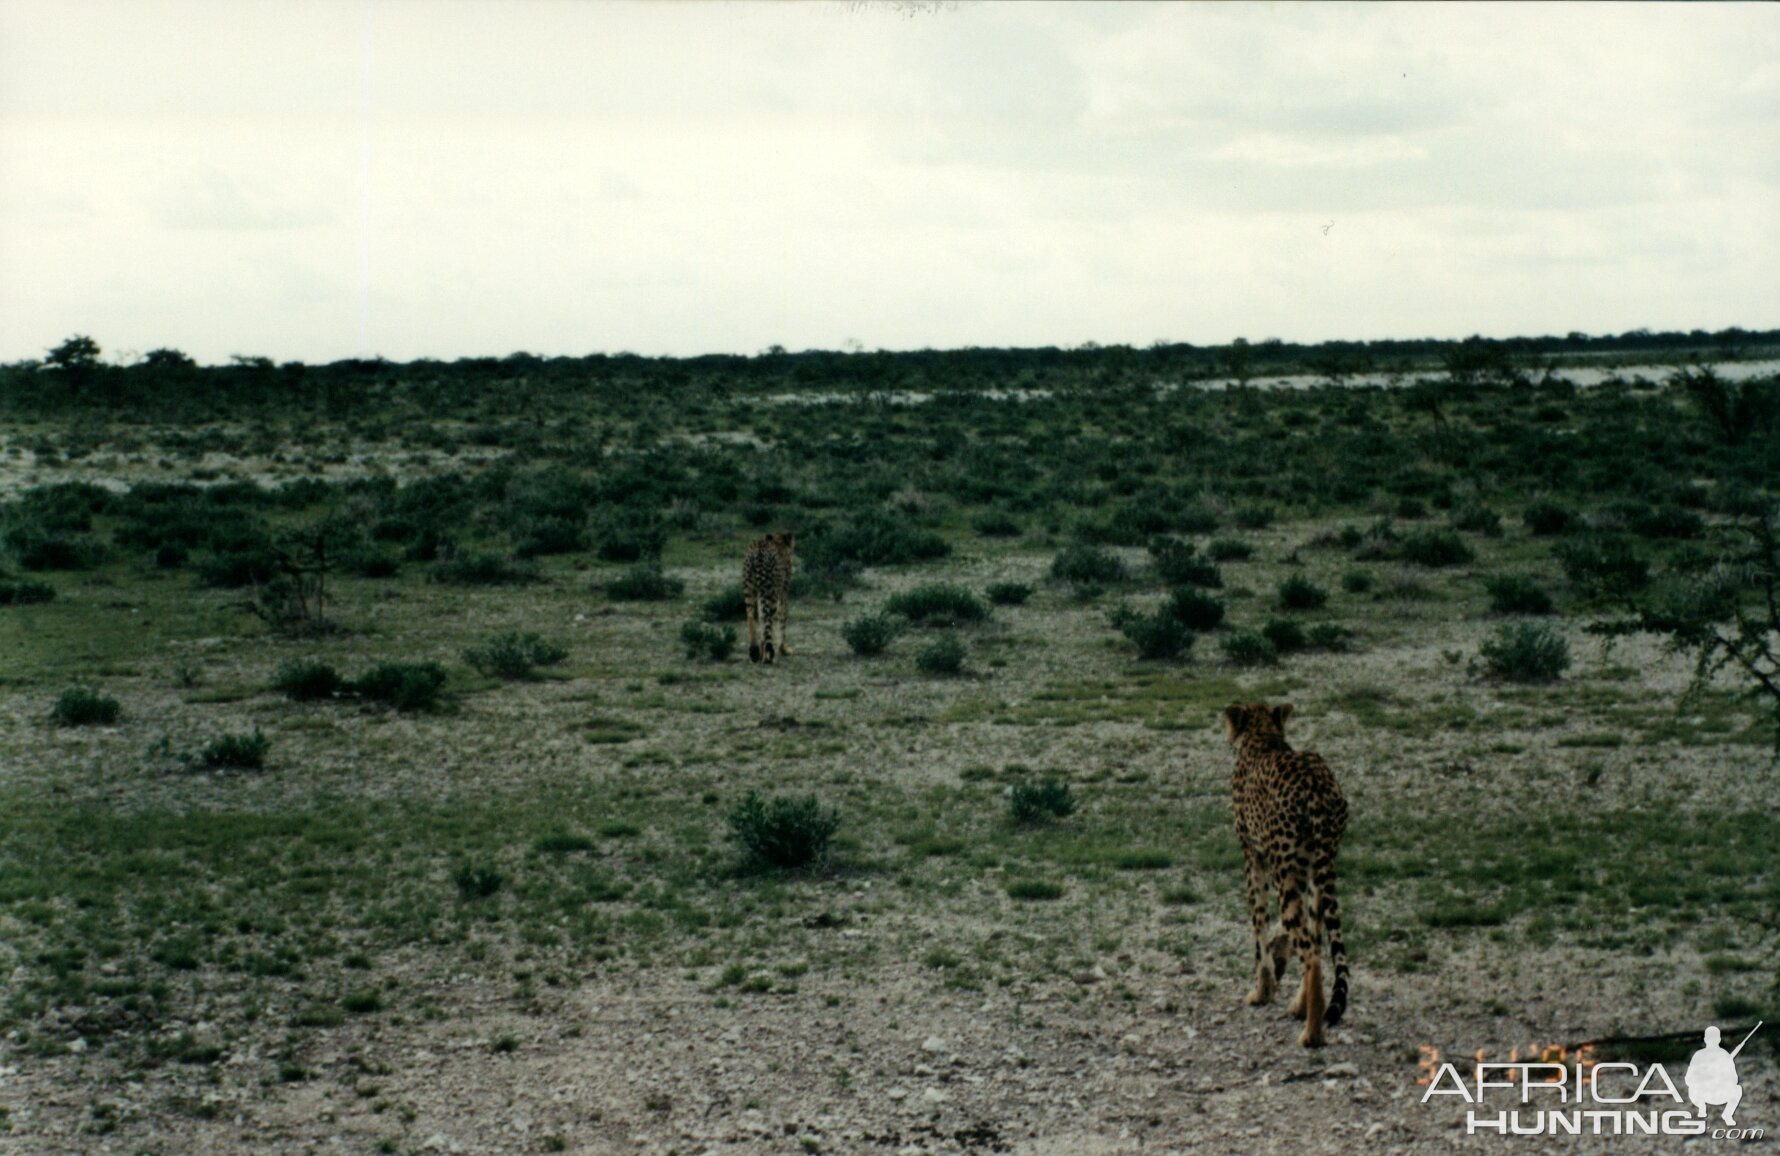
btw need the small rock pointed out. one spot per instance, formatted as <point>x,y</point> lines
<point>77,1046</point>
<point>1376,1130</point>
<point>933,1096</point>
<point>897,1093</point>
<point>1344,1068</point>
<point>933,1044</point>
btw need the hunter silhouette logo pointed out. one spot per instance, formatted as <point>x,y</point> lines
<point>1712,1075</point>
<point>1550,1097</point>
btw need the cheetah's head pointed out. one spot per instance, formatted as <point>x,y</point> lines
<point>1255,719</point>
<point>784,539</point>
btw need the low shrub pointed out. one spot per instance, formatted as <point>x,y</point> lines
<point>1435,548</point>
<point>1605,565</point>
<point>1477,518</point>
<point>307,680</point>
<point>1299,593</point>
<point>945,655</point>
<point>1525,652</point>
<point>706,640</point>
<point>937,605</point>
<point>1195,609</point>
<point>1038,802</point>
<point>24,591</point>
<point>1034,889</point>
<point>1517,594</point>
<point>870,635</point>
<point>1254,517</point>
<point>483,568</point>
<point>81,706</point>
<point>477,882</point>
<point>404,685</point>
<point>538,537</point>
<point>727,605</point>
<point>645,583</point>
<point>237,752</point>
<point>514,655</point>
<point>783,832</point>
<point>1159,637</point>
<point>873,539</point>
<point>372,562</point>
<point>1357,581</point>
<point>1230,550</point>
<point>1547,519</point>
<point>1330,636</point>
<point>37,549</point>
<point>1009,593</point>
<point>1178,563</point>
<point>996,524</point>
<point>1285,635</point>
<point>1087,565</point>
<point>628,536</point>
<point>1248,648</point>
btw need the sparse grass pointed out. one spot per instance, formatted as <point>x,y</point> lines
<point>514,655</point>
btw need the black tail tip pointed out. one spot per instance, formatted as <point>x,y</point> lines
<point>1337,1008</point>
<point>753,652</point>
<point>768,648</point>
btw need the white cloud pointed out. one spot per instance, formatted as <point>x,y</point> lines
<point>415,179</point>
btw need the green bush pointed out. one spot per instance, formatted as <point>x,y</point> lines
<point>37,549</point>
<point>81,706</point>
<point>1196,610</point>
<point>371,562</point>
<point>706,640</point>
<point>727,605</point>
<point>873,539</point>
<point>1034,889</point>
<point>1285,635</point>
<point>1159,637</point>
<point>1547,519</point>
<point>782,832</point>
<point>1526,652</point>
<point>1477,518</point>
<point>1230,550</point>
<point>945,655</point>
<point>1037,802</point>
<point>514,655</point>
<point>1604,565</point>
<point>550,534</point>
<point>477,882</point>
<point>645,583</point>
<point>937,605</point>
<point>403,685</point>
<point>1254,517</point>
<point>1248,648</point>
<point>629,536</point>
<point>1517,594</point>
<point>1299,593</point>
<point>1009,593</point>
<point>1330,636</point>
<point>481,569</point>
<point>24,591</point>
<point>1178,563</point>
<point>237,752</point>
<point>1357,581</point>
<point>996,524</point>
<point>307,680</point>
<point>870,635</point>
<point>1087,565</point>
<point>1435,548</point>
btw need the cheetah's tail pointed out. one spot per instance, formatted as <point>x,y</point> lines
<point>1329,915</point>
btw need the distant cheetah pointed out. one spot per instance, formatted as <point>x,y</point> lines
<point>766,594</point>
<point>1289,817</point>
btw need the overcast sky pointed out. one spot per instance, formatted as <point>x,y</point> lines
<point>311,179</point>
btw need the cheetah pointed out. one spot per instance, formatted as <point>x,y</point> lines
<point>766,594</point>
<point>1289,818</point>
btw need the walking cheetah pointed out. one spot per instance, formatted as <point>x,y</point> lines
<point>1289,817</point>
<point>766,594</point>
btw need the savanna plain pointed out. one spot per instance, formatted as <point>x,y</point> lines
<point>382,768</point>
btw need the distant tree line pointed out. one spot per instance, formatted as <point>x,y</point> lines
<point>168,382</point>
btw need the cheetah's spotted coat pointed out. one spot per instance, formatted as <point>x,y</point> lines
<point>1289,817</point>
